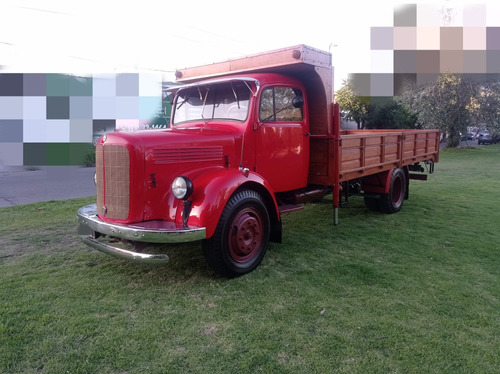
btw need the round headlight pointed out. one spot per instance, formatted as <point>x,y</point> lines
<point>182,188</point>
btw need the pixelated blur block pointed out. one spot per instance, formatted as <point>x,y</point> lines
<point>127,84</point>
<point>57,85</point>
<point>35,84</point>
<point>11,107</point>
<point>57,154</point>
<point>474,62</point>
<point>11,154</point>
<point>382,38</point>
<point>405,15</point>
<point>80,86</point>
<point>57,107</point>
<point>79,153</point>
<point>493,38</point>
<point>34,154</point>
<point>451,38</point>
<point>360,83</point>
<point>11,84</point>
<point>405,61</point>
<point>80,107</point>
<point>11,131</point>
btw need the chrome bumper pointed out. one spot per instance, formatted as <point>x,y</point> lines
<point>149,232</point>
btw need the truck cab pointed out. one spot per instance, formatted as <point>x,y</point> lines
<point>241,134</point>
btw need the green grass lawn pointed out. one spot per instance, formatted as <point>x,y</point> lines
<point>413,292</point>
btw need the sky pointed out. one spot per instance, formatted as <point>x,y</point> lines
<point>84,38</point>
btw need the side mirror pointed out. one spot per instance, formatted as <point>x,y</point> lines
<point>298,102</point>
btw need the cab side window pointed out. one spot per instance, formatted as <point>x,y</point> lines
<point>276,105</point>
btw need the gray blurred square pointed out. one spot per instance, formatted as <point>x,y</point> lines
<point>405,15</point>
<point>127,84</point>
<point>80,107</point>
<point>80,130</point>
<point>360,83</point>
<point>11,131</point>
<point>35,85</point>
<point>11,107</point>
<point>57,107</point>
<point>474,61</point>
<point>11,154</point>
<point>493,38</point>
<point>405,61</point>
<point>11,84</point>
<point>493,62</point>
<point>382,38</point>
<point>428,62</point>
<point>382,85</point>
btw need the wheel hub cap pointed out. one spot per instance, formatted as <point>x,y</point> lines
<point>246,236</point>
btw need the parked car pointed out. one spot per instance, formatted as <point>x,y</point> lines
<point>485,138</point>
<point>468,136</point>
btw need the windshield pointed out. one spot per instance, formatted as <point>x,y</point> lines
<point>223,101</point>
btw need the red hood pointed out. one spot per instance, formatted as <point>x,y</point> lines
<point>159,156</point>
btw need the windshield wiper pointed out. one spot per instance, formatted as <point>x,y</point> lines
<point>235,95</point>
<point>183,102</point>
<point>204,102</point>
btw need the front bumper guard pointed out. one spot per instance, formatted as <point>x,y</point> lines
<point>156,231</point>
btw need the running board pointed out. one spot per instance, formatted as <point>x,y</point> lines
<point>289,208</point>
<point>420,177</point>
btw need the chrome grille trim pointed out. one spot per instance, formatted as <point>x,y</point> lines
<point>99,170</point>
<point>113,181</point>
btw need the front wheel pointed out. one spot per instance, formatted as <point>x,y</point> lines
<point>241,238</point>
<point>392,201</point>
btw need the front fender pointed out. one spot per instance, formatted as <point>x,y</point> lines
<point>213,189</point>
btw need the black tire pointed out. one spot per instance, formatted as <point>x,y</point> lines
<point>392,201</point>
<point>372,203</point>
<point>241,238</point>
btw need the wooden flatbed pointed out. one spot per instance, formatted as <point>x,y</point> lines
<point>365,152</point>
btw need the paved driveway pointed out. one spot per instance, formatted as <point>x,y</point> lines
<point>21,186</point>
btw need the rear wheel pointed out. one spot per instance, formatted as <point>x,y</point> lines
<point>392,201</point>
<point>241,238</point>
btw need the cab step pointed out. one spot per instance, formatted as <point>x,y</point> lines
<point>290,208</point>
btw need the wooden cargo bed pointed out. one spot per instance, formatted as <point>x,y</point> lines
<point>365,152</point>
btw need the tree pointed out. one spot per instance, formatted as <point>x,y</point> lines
<point>353,107</point>
<point>392,115</point>
<point>487,106</point>
<point>447,104</point>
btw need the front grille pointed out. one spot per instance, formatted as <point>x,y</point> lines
<point>113,181</point>
<point>196,154</point>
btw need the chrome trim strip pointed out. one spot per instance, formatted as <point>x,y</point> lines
<point>126,255</point>
<point>150,231</point>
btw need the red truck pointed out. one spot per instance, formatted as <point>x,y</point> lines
<point>249,139</point>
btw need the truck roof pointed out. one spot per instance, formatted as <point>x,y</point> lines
<point>290,59</point>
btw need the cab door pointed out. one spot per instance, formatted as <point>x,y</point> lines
<point>282,138</point>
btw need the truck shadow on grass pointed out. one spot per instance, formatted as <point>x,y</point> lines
<point>186,261</point>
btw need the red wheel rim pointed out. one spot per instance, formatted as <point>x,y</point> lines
<point>397,191</point>
<point>245,236</point>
